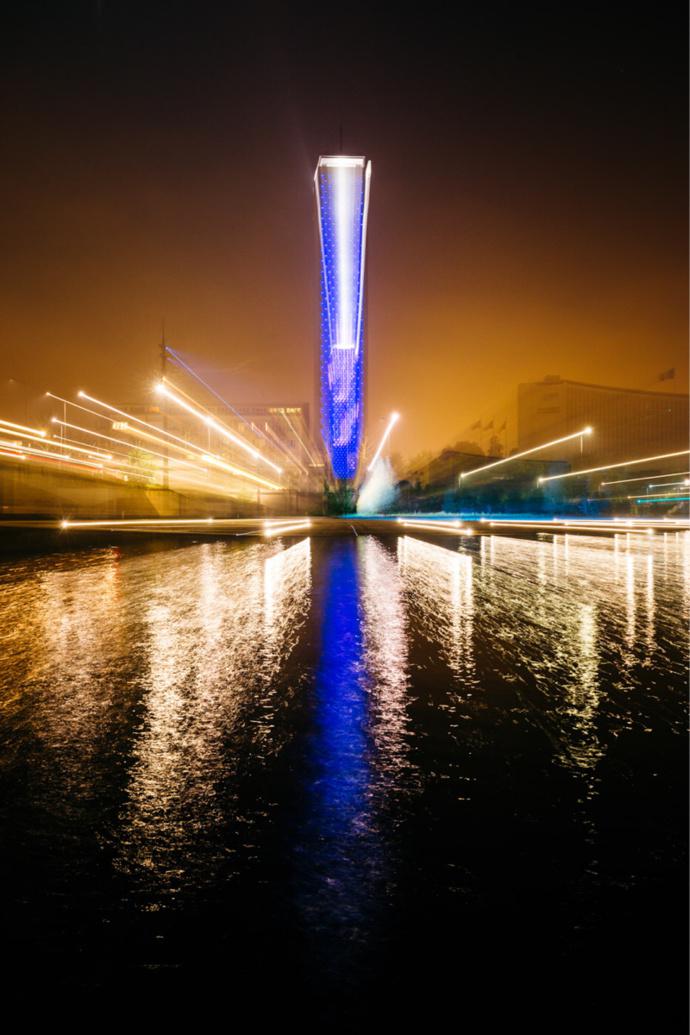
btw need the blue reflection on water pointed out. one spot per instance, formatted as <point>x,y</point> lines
<point>340,683</point>
<point>339,851</point>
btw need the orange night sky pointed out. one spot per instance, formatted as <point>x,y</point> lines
<point>528,209</point>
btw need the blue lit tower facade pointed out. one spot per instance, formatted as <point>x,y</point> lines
<point>342,202</point>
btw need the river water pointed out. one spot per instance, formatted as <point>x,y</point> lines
<point>362,775</point>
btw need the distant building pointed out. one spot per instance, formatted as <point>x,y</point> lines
<point>627,423</point>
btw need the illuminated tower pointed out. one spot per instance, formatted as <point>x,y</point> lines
<point>342,201</point>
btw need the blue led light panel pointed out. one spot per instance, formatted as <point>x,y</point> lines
<point>342,201</point>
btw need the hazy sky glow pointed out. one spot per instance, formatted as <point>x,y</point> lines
<point>528,203</point>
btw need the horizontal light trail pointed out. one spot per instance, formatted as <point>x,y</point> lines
<point>644,477</point>
<point>274,530</point>
<point>663,499</point>
<point>611,467</point>
<point>616,523</point>
<point>210,422</point>
<point>184,447</point>
<point>656,495</point>
<point>392,421</point>
<point>450,528</point>
<point>553,528</point>
<point>23,427</point>
<point>659,521</point>
<point>67,523</point>
<point>526,452</point>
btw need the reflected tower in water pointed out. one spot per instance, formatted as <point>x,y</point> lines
<point>357,754</point>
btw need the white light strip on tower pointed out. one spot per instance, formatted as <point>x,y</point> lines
<point>393,420</point>
<point>344,214</point>
<point>525,452</point>
<point>367,184</point>
<point>610,467</point>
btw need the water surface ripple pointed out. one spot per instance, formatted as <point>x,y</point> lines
<point>352,771</point>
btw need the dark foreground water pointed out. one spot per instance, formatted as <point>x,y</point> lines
<point>350,778</point>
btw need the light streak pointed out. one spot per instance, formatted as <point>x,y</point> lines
<point>23,427</point>
<point>22,434</point>
<point>57,443</point>
<point>552,527</point>
<point>162,389</point>
<point>274,530</point>
<point>67,523</point>
<point>610,467</point>
<point>663,499</point>
<point>53,443</point>
<point>644,477</point>
<point>95,451</point>
<point>197,377</point>
<point>231,469</point>
<point>654,495</point>
<point>129,429</point>
<point>295,433</point>
<point>38,453</point>
<point>615,523</point>
<point>185,447</point>
<point>392,421</point>
<point>526,452</point>
<point>452,528</point>
<point>78,406</point>
<point>128,445</point>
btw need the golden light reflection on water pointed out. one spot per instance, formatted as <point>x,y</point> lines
<point>440,582</point>
<point>146,684</point>
<point>385,648</point>
<point>560,625</point>
<point>218,626</point>
<point>54,623</point>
